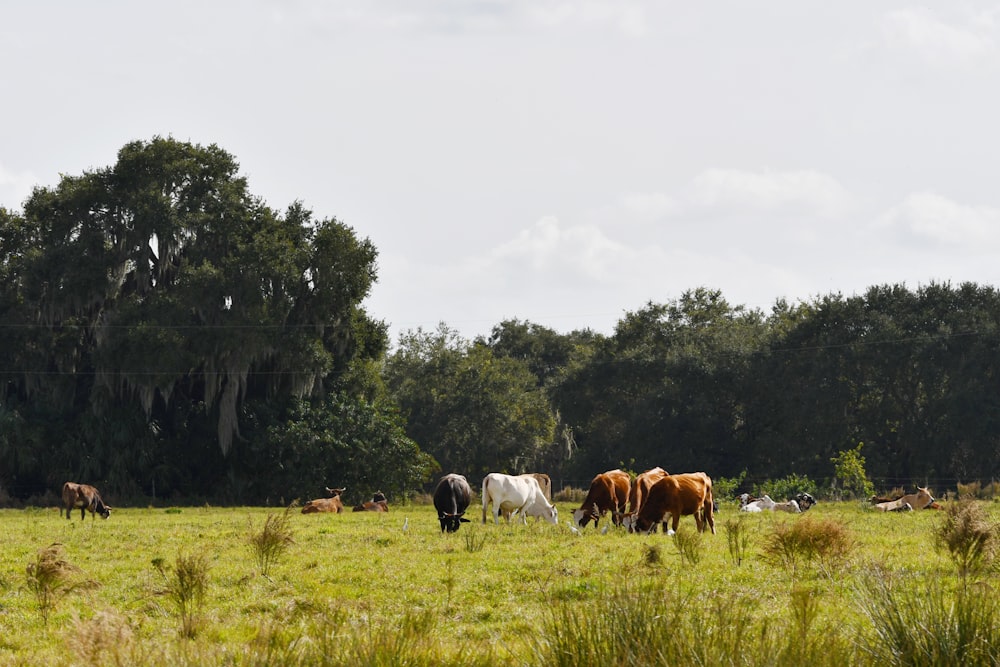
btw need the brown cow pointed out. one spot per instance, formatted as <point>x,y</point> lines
<point>86,498</point>
<point>608,491</point>
<point>378,503</point>
<point>640,488</point>
<point>331,504</point>
<point>678,495</point>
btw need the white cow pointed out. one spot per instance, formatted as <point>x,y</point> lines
<point>765,503</point>
<point>521,494</point>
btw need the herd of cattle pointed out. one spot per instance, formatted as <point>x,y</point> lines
<point>639,505</point>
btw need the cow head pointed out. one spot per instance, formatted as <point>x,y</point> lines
<point>552,515</point>
<point>581,517</point>
<point>335,492</point>
<point>804,500</point>
<point>104,511</point>
<point>451,522</point>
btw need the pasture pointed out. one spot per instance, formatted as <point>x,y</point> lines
<point>356,588</point>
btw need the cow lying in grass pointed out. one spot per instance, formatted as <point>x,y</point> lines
<point>332,504</point>
<point>765,503</point>
<point>916,501</point>
<point>378,503</point>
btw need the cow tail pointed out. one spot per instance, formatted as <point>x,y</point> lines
<point>486,495</point>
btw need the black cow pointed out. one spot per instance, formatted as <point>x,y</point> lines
<point>451,499</point>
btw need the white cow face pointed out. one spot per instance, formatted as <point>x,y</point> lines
<point>553,516</point>
<point>578,517</point>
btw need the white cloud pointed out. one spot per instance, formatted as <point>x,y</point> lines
<point>929,219</point>
<point>15,187</point>
<point>792,191</point>
<point>649,206</point>
<point>937,41</point>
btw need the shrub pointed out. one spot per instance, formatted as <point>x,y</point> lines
<point>787,487</point>
<point>825,542</point>
<point>725,487</point>
<point>965,534</point>
<point>689,545</point>
<point>51,577</point>
<point>849,473</point>
<point>186,587</point>
<point>269,544</point>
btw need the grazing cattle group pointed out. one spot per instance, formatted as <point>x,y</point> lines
<point>651,499</point>
<point>86,498</point>
<point>676,495</point>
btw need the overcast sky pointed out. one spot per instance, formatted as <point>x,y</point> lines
<point>552,161</point>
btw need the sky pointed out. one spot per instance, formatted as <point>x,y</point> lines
<point>562,163</point>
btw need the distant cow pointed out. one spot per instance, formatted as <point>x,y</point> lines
<point>677,495</point>
<point>804,500</point>
<point>521,493</point>
<point>451,498</point>
<point>918,501</point>
<point>608,491</point>
<point>332,504</point>
<point>86,498</point>
<point>765,503</point>
<point>378,503</point>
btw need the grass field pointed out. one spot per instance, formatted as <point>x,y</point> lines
<point>182,586</point>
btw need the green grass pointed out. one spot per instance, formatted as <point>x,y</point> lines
<point>363,591</point>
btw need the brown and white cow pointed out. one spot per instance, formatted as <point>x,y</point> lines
<point>516,493</point>
<point>86,498</point>
<point>332,504</point>
<point>918,501</point>
<point>378,503</point>
<point>608,492</point>
<point>677,495</point>
<point>451,498</point>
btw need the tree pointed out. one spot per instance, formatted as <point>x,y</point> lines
<point>161,284</point>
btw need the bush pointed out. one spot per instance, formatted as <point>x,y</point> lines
<point>807,540</point>
<point>273,540</point>
<point>965,534</point>
<point>785,488</point>
<point>51,577</point>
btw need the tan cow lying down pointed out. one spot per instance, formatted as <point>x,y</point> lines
<point>378,503</point>
<point>86,498</point>
<point>332,504</point>
<point>677,495</point>
<point>915,501</point>
<point>608,491</point>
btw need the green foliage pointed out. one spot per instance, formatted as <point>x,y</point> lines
<point>849,473</point>
<point>724,488</point>
<point>960,628</point>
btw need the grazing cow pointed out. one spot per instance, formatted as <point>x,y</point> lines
<point>332,504</point>
<point>451,499</point>
<point>86,498</point>
<point>544,481</point>
<point>678,495</point>
<point>918,501</point>
<point>640,487</point>
<point>608,491</point>
<point>520,493</point>
<point>378,503</point>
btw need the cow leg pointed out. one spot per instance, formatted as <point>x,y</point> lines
<point>709,516</point>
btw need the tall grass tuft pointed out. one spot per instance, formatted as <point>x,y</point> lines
<point>105,639</point>
<point>689,545</point>
<point>920,622</point>
<point>824,542</point>
<point>51,577</point>
<point>186,586</point>
<point>737,539</point>
<point>966,535</point>
<point>270,543</point>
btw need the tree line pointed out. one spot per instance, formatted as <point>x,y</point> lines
<point>166,334</point>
